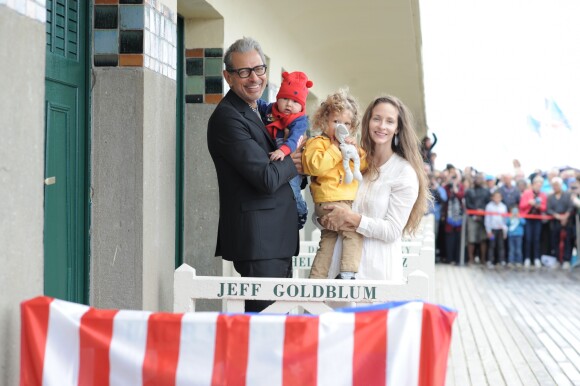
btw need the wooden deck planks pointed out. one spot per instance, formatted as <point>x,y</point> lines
<point>514,327</point>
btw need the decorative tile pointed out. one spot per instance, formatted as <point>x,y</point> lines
<point>144,32</point>
<point>194,85</point>
<point>133,60</point>
<point>106,60</point>
<point>106,17</point>
<point>194,66</point>
<point>213,98</point>
<point>194,53</point>
<point>213,67</point>
<point>213,84</point>
<point>131,42</point>
<point>131,17</point>
<point>106,42</point>
<point>213,52</point>
<point>194,99</point>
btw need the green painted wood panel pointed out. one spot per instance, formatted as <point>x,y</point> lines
<point>65,195</point>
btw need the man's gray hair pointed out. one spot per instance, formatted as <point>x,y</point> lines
<point>244,44</point>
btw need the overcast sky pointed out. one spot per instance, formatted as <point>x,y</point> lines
<point>488,65</point>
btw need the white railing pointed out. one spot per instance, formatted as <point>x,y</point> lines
<point>310,295</point>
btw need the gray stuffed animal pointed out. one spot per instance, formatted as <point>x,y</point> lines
<point>349,152</point>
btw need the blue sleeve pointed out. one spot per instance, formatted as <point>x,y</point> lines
<point>264,109</point>
<point>443,194</point>
<point>296,129</point>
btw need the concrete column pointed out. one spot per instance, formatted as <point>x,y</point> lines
<point>132,189</point>
<point>200,199</point>
<point>21,177</point>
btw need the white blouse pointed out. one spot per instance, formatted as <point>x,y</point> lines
<point>385,205</point>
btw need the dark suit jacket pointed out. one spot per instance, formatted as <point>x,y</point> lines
<point>258,216</point>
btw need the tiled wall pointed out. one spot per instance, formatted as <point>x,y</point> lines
<point>34,9</point>
<point>138,33</point>
<point>203,70</point>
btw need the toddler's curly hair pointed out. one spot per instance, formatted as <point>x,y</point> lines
<point>338,102</point>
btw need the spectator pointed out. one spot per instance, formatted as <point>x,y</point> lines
<point>509,192</point>
<point>518,171</point>
<point>427,148</point>
<point>476,199</point>
<point>561,207</point>
<point>439,198</point>
<point>490,183</point>
<point>433,159</point>
<point>547,185</point>
<point>452,213</point>
<point>496,228</point>
<point>533,202</point>
<point>515,226</point>
<point>522,185</point>
<point>510,196</point>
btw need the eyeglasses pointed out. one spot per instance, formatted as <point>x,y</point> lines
<point>246,71</point>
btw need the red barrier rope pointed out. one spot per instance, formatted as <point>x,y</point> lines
<point>478,212</point>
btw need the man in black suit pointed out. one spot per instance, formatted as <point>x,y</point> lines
<point>257,224</point>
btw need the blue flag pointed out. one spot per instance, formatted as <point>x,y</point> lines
<point>534,124</point>
<point>555,114</point>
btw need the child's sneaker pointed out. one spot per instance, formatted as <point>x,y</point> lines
<point>346,276</point>
<point>566,265</point>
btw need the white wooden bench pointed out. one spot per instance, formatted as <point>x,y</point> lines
<point>418,254</point>
<point>313,295</point>
<point>288,294</point>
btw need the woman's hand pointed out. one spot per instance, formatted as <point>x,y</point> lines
<point>297,154</point>
<point>341,217</point>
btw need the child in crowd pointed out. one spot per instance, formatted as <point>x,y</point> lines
<point>515,226</point>
<point>322,160</point>
<point>286,122</point>
<point>495,226</point>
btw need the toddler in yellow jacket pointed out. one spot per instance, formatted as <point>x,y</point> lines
<point>323,161</point>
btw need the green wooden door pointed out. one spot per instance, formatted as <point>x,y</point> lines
<point>65,202</point>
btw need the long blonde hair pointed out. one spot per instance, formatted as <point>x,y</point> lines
<point>408,148</point>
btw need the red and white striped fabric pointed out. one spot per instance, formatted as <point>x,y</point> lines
<point>395,344</point>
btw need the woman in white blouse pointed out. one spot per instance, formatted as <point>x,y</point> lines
<point>394,193</point>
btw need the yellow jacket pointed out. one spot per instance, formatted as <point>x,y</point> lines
<point>323,162</point>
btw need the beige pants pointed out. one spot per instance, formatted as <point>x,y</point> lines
<point>351,247</point>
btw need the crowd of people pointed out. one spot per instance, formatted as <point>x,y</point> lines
<point>512,220</point>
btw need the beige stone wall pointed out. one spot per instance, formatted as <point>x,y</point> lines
<point>21,177</point>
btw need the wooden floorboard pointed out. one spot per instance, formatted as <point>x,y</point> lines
<point>514,327</point>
